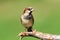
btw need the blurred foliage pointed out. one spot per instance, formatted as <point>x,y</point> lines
<point>46,15</point>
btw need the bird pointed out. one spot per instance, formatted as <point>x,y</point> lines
<point>27,19</point>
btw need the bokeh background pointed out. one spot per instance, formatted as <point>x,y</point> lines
<point>46,15</point>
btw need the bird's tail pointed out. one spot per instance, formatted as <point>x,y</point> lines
<point>29,29</point>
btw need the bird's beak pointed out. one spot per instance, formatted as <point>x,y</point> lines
<point>32,10</point>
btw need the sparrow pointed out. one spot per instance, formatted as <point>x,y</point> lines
<point>27,18</point>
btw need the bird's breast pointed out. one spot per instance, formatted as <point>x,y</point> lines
<point>24,20</point>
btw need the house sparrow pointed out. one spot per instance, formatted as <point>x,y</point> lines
<point>27,18</point>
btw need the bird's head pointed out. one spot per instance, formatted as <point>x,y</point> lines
<point>28,10</point>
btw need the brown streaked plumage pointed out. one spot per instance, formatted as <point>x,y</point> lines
<point>27,18</point>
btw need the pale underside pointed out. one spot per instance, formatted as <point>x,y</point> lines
<point>25,22</point>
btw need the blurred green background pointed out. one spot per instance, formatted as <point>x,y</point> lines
<point>46,15</point>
